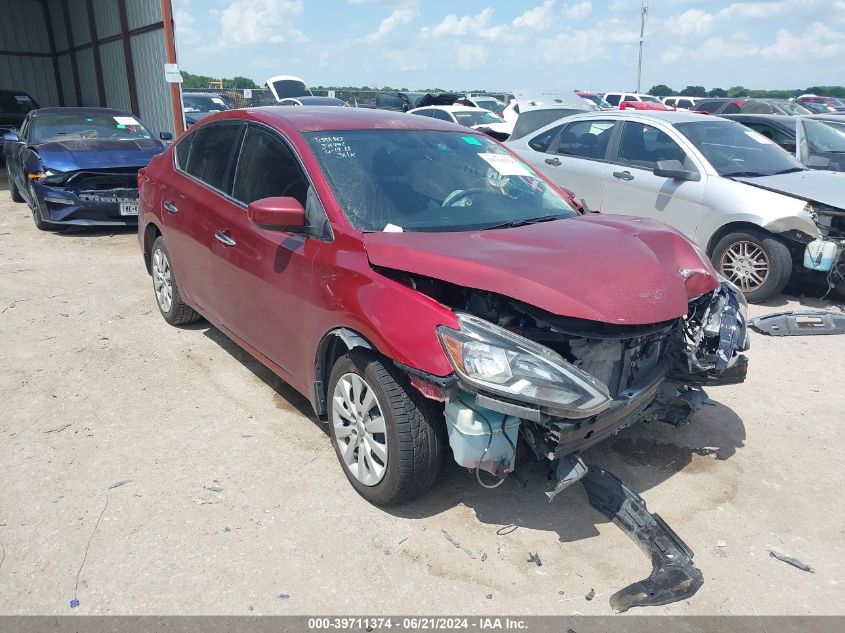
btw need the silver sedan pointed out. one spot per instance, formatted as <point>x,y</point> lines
<point>757,212</point>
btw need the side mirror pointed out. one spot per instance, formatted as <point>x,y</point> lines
<point>11,137</point>
<point>818,162</point>
<point>675,170</point>
<point>277,214</point>
<point>166,136</point>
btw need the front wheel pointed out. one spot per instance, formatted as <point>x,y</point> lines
<point>13,190</point>
<point>756,262</point>
<point>386,435</point>
<point>174,310</point>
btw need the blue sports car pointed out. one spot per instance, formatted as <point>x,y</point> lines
<point>79,166</point>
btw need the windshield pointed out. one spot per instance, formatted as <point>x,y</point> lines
<point>601,103</point>
<point>58,127</point>
<point>734,150</point>
<point>470,118</point>
<point>650,99</point>
<point>790,107</point>
<point>825,136</point>
<point>491,104</point>
<point>425,180</point>
<point>290,88</point>
<point>203,103</point>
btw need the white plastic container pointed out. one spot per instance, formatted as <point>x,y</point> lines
<point>469,427</point>
<point>821,255</point>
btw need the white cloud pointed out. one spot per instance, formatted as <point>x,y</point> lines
<point>579,10</point>
<point>536,18</point>
<point>692,22</point>
<point>402,15</point>
<point>817,42</point>
<point>471,56</point>
<point>249,22</point>
<point>465,26</point>
<point>186,32</point>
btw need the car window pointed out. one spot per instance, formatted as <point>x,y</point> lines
<point>266,168</point>
<point>426,112</point>
<point>612,99</point>
<point>646,98</point>
<point>542,141</point>
<point>772,133</point>
<point>643,146</point>
<point>731,108</point>
<point>389,101</point>
<point>211,154</point>
<point>442,115</point>
<point>757,107</point>
<point>685,103</point>
<point>586,139</point>
<point>670,102</point>
<point>74,126</point>
<point>183,150</point>
<point>708,106</point>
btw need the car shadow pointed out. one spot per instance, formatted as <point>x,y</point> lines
<point>95,231</point>
<point>642,456</point>
<point>265,375</point>
<point>4,179</point>
<point>811,292</point>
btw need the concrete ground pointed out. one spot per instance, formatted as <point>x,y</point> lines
<point>235,503</point>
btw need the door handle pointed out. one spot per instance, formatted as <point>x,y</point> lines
<point>553,161</point>
<point>170,207</point>
<point>224,239</point>
<point>623,175</point>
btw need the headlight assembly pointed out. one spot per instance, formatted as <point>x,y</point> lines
<point>495,360</point>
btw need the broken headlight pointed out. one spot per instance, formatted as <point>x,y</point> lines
<point>495,360</point>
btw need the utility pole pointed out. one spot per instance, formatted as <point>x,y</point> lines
<point>642,36</point>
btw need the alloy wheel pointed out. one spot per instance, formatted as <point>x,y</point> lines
<point>162,280</point>
<point>746,265</point>
<point>359,427</point>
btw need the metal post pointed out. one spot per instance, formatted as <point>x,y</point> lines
<point>170,52</point>
<point>642,36</point>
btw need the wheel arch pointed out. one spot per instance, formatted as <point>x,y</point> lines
<point>729,228</point>
<point>151,232</point>
<point>334,344</point>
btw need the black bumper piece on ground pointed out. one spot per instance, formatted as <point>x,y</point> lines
<point>673,576</point>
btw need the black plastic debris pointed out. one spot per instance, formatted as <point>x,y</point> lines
<point>809,323</point>
<point>590,595</point>
<point>791,561</point>
<point>673,576</point>
<point>534,557</point>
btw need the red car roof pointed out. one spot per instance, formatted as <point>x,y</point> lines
<point>317,119</point>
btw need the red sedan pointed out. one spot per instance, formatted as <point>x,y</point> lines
<point>420,284</point>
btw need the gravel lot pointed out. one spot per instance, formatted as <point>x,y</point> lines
<point>235,498</point>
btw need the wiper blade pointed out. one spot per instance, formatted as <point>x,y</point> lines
<point>745,174</point>
<point>791,170</point>
<point>514,223</point>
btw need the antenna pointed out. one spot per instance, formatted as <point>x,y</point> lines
<point>642,36</point>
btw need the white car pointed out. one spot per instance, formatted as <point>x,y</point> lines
<point>287,87</point>
<point>484,101</point>
<point>615,98</point>
<point>467,116</point>
<point>681,103</point>
<point>757,212</point>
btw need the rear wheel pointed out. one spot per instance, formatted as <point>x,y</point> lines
<point>385,433</point>
<point>174,310</point>
<point>16,195</point>
<point>758,263</point>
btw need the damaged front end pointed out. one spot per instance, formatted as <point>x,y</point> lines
<point>87,197</point>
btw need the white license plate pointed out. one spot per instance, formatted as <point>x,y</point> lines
<point>129,208</point>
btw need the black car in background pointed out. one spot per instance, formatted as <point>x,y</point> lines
<point>198,105</point>
<point>823,136</point>
<point>79,166</point>
<point>14,106</point>
<point>773,106</point>
<point>718,105</point>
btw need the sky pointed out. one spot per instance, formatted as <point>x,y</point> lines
<point>505,45</point>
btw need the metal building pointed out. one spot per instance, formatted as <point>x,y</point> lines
<point>93,53</point>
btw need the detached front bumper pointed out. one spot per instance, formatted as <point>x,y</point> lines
<point>63,206</point>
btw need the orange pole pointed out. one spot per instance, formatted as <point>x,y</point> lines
<point>170,51</point>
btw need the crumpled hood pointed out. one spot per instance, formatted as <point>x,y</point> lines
<point>72,155</point>
<point>826,187</point>
<point>615,270</point>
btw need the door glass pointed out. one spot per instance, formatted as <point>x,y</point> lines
<point>771,133</point>
<point>183,149</point>
<point>422,112</point>
<point>541,142</point>
<point>211,154</point>
<point>643,146</point>
<point>586,139</point>
<point>612,99</point>
<point>442,115</point>
<point>267,169</point>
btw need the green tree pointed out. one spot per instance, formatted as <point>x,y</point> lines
<point>717,92</point>
<point>239,82</point>
<point>737,91</point>
<point>661,90</point>
<point>193,82</point>
<point>694,91</point>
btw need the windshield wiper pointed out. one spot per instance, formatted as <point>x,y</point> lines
<point>791,170</point>
<point>514,223</point>
<point>745,174</point>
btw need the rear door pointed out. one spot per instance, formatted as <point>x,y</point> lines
<point>633,189</point>
<point>263,278</point>
<point>190,200</point>
<point>577,158</point>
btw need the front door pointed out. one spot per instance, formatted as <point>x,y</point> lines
<point>632,188</point>
<point>262,277</point>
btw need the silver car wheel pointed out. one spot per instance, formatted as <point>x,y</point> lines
<point>746,265</point>
<point>162,281</point>
<point>359,428</point>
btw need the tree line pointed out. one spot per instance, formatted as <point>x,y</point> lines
<point>662,90</point>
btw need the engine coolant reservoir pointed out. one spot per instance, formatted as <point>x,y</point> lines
<point>472,428</point>
<point>820,255</point>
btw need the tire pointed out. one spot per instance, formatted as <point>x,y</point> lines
<point>413,430</point>
<point>756,261</point>
<point>165,289</point>
<point>13,190</point>
<point>35,208</point>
